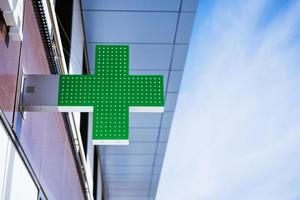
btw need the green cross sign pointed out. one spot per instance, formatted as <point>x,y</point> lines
<point>112,92</point>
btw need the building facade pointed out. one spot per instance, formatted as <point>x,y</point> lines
<point>50,155</point>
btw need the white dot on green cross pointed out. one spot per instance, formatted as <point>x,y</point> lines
<point>112,92</point>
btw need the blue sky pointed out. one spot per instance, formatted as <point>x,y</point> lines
<point>236,129</point>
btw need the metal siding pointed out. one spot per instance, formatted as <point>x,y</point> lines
<point>158,34</point>
<point>174,81</point>
<point>142,56</point>
<point>180,53</point>
<point>130,27</point>
<point>185,27</point>
<point>132,5</point>
<point>43,136</point>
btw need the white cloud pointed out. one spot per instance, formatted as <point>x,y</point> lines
<point>236,131</point>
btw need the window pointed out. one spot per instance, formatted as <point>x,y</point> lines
<point>15,180</point>
<point>95,173</point>
<point>64,12</point>
<point>84,120</point>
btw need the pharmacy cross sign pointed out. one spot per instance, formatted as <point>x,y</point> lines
<point>112,93</point>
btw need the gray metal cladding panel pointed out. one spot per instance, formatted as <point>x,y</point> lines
<point>157,169</point>
<point>150,56</point>
<point>180,54</point>
<point>164,134</point>
<point>127,170</point>
<point>127,177</point>
<point>185,27</point>
<point>127,193</point>
<point>143,134</point>
<point>155,180</point>
<point>133,172</point>
<point>161,148</point>
<point>126,198</point>
<point>189,5</point>
<point>127,160</point>
<point>158,165</point>
<point>159,159</point>
<point>130,27</point>
<point>142,56</point>
<point>154,184</point>
<point>133,148</point>
<point>142,120</point>
<point>167,119</point>
<point>153,191</point>
<point>170,101</point>
<point>132,5</point>
<point>127,185</point>
<point>174,81</point>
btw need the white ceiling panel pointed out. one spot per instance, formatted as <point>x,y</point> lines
<point>143,134</point>
<point>175,81</point>
<point>127,170</point>
<point>142,56</point>
<point>180,53</point>
<point>142,120</point>
<point>126,160</point>
<point>133,148</point>
<point>130,27</point>
<point>185,27</point>
<point>132,5</point>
